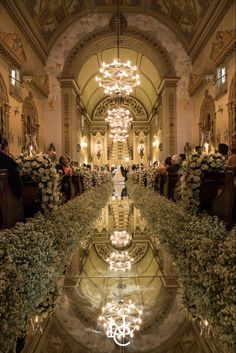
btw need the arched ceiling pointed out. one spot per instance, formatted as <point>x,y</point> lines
<point>86,58</point>
<point>49,18</point>
<point>92,94</point>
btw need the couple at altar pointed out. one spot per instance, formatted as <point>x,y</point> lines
<point>118,177</point>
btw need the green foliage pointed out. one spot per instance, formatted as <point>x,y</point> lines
<point>34,255</point>
<point>204,256</point>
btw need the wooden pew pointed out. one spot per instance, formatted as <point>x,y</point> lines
<point>31,198</point>
<point>77,181</point>
<point>11,208</point>
<point>169,185</point>
<point>68,188</point>
<point>224,204</point>
<point>210,185</point>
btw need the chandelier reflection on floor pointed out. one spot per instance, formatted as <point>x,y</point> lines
<point>120,261</point>
<point>120,320</point>
<point>120,239</point>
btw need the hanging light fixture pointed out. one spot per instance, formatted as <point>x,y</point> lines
<point>117,77</point>
<point>120,320</point>
<point>120,239</point>
<point>120,261</point>
<point>119,119</point>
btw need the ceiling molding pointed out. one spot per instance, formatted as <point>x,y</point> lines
<point>210,25</point>
<point>133,104</point>
<point>16,10</point>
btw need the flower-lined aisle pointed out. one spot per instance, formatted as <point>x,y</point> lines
<point>34,255</point>
<point>204,256</point>
<point>192,171</point>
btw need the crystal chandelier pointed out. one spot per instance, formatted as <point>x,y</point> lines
<point>120,320</point>
<point>119,120</point>
<point>120,239</point>
<point>120,261</point>
<point>118,77</point>
<point>119,115</point>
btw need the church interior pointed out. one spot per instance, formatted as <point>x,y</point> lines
<point>168,68</point>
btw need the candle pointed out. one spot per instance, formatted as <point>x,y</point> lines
<point>206,147</point>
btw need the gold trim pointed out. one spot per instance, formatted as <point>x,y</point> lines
<point>12,48</point>
<point>223,46</point>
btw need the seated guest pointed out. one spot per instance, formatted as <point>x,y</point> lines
<point>7,162</point>
<point>223,149</point>
<point>64,167</point>
<point>175,164</point>
<point>232,158</point>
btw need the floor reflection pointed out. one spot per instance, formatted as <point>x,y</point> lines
<point>90,282</point>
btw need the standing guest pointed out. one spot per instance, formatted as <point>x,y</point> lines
<point>7,162</point>
<point>223,149</point>
<point>198,149</point>
<point>232,158</point>
<point>183,156</point>
<point>175,164</point>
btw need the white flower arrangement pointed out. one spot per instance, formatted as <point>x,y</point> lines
<point>33,255</point>
<point>203,253</point>
<point>39,168</point>
<point>193,170</point>
<point>93,178</point>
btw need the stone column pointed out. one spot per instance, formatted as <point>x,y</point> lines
<point>169,117</point>
<point>69,92</point>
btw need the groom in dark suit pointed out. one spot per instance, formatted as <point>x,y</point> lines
<point>7,162</point>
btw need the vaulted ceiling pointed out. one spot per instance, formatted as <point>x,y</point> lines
<point>49,18</point>
<point>46,22</point>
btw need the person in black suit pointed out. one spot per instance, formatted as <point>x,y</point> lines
<point>7,162</point>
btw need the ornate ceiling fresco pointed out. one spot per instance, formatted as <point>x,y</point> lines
<point>186,18</point>
<point>74,38</point>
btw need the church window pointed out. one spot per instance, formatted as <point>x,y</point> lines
<point>221,82</point>
<point>15,82</point>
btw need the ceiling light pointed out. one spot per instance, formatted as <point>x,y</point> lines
<point>118,77</point>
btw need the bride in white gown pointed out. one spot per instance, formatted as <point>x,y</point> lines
<point>118,177</point>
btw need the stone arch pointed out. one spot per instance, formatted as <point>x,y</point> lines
<point>136,108</point>
<point>207,120</point>
<point>30,124</point>
<point>4,109</point>
<point>232,106</point>
<point>148,46</point>
<point>78,30</point>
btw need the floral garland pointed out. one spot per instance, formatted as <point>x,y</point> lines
<point>34,255</point>
<point>40,168</point>
<point>193,170</point>
<point>204,256</point>
<point>93,178</point>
